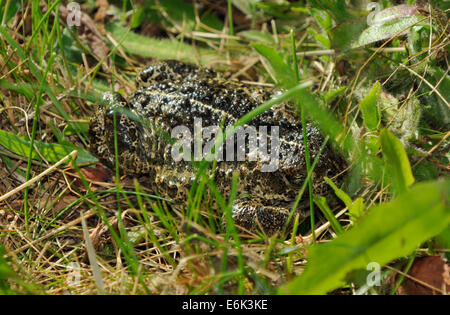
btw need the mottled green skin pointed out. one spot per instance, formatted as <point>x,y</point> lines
<point>170,94</point>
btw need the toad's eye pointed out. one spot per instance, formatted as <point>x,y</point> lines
<point>145,76</point>
<point>127,129</point>
<point>133,138</point>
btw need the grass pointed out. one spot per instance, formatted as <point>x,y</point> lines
<point>379,96</point>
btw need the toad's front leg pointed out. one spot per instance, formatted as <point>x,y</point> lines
<point>256,214</point>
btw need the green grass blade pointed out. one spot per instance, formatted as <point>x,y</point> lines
<point>230,18</point>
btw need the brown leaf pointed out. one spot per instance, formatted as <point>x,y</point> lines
<point>431,270</point>
<point>98,174</point>
<point>103,7</point>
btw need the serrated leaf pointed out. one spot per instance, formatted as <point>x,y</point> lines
<point>387,232</point>
<point>52,152</point>
<point>398,168</point>
<point>369,107</point>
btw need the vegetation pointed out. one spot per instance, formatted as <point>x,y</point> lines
<point>378,87</point>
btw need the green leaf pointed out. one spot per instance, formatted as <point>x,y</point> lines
<point>245,6</point>
<point>283,72</point>
<point>443,241</point>
<point>322,18</point>
<point>387,232</point>
<point>11,10</point>
<point>415,42</point>
<point>372,143</point>
<point>357,209</point>
<point>369,107</point>
<point>324,118</point>
<point>320,38</point>
<point>398,168</point>
<point>387,30</point>
<point>436,110</point>
<point>71,130</point>
<point>321,202</point>
<point>184,14</point>
<point>442,5</point>
<point>330,95</point>
<point>52,152</point>
<point>257,36</point>
<point>161,48</point>
<point>25,89</point>
<point>344,34</point>
<point>7,274</point>
<point>137,18</point>
<point>339,192</point>
<point>336,8</point>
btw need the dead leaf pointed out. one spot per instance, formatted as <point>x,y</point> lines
<point>431,270</point>
<point>97,174</point>
<point>103,7</point>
